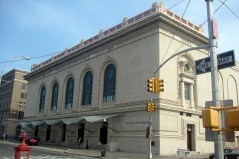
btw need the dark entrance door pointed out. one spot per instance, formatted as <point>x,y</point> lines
<point>81,133</point>
<point>189,137</point>
<point>36,131</point>
<point>48,132</point>
<point>63,137</point>
<point>103,133</point>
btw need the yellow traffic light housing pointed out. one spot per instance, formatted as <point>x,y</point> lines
<point>148,108</point>
<point>210,118</point>
<point>152,107</point>
<point>151,85</point>
<point>159,85</point>
<point>233,119</point>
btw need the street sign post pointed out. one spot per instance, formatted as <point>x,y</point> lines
<point>224,60</point>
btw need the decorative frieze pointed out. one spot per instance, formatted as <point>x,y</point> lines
<point>127,23</point>
<point>164,104</point>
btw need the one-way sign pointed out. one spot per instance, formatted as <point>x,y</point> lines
<point>224,60</point>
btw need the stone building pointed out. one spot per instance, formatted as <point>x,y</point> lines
<point>96,91</point>
<point>13,91</point>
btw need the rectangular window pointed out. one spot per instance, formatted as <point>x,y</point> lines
<point>23,86</point>
<point>186,91</point>
<point>23,95</point>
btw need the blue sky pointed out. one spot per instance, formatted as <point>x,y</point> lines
<point>33,28</point>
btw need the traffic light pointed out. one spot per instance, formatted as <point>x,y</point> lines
<point>151,85</point>
<point>152,107</point>
<point>233,119</point>
<point>210,118</point>
<point>159,85</point>
<point>148,108</point>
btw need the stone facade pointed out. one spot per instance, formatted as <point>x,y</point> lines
<point>136,48</point>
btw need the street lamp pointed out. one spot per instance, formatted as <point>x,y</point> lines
<point>18,58</point>
<point>23,57</point>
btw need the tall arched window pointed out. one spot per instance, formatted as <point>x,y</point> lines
<point>87,88</point>
<point>54,97</point>
<point>109,83</point>
<point>42,100</point>
<point>69,93</point>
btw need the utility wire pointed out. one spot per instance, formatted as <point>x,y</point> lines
<point>176,31</point>
<point>14,60</point>
<point>215,11</point>
<point>223,3</point>
<point>175,5</point>
<point>36,57</point>
<point>30,58</point>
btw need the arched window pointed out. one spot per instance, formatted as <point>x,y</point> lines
<point>87,88</point>
<point>109,83</point>
<point>54,97</point>
<point>69,93</point>
<point>42,99</point>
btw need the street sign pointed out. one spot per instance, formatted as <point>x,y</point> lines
<point>224,60</point>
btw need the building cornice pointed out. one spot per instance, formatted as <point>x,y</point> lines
<point>153,15</point>
<point>161,104</point>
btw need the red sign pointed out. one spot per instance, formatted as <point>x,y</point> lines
<point>215,30</point>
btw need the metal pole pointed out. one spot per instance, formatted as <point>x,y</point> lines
<point>218,144</point>
<point>178,53</point>
<point>150,131</point>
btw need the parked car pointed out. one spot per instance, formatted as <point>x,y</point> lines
<point>33,140</point>
<point>228,154</point>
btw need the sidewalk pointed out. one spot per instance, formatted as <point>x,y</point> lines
<point>108,155</point>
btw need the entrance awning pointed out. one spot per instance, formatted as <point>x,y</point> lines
<point>99,117</point>
<point>36,123</point>
<point>71,120</point>
<point>24,123</point>
<point>52,122</point>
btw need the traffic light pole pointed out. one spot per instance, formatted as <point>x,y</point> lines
<point>150,131</point>
<point>218,144</point>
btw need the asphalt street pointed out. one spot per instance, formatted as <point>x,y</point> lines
<point>7,152</point>
<point>53,152</point>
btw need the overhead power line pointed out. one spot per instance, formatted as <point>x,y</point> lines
<point>30,58</point>
<point>176,31</point>
<point>175,5</point>
<point>215,11</point>
<point>223,3</point>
